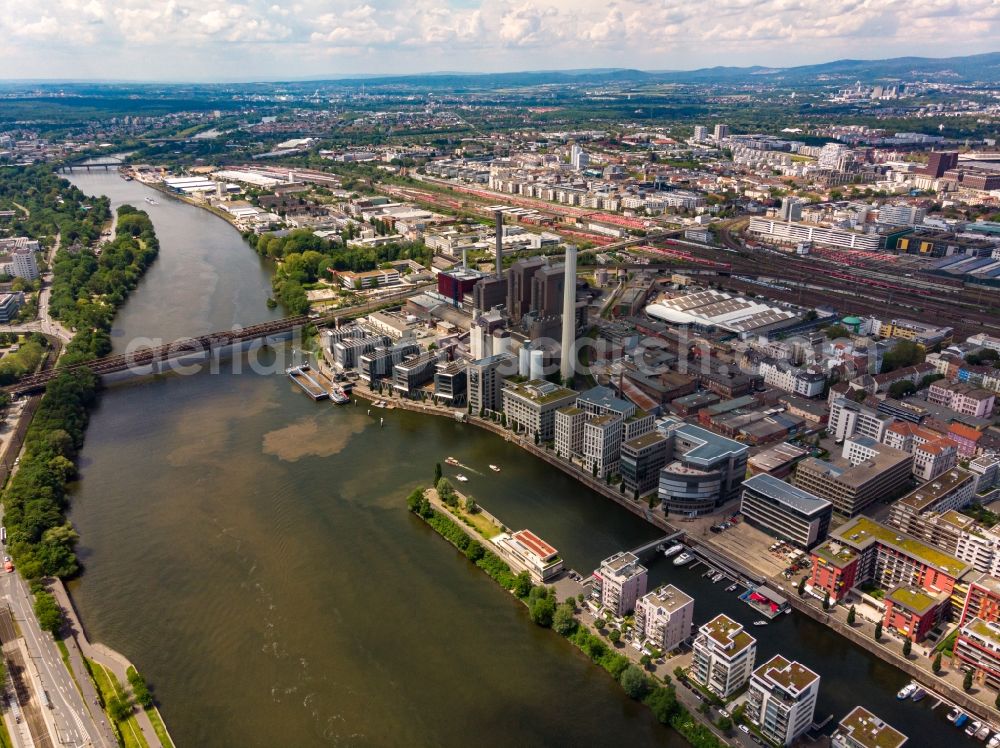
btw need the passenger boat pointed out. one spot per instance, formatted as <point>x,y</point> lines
<point>338,396</point>
<point>495,468</point>
<point>461,478</point>
<point>906,691</point>
<point>918,694</point>
<point>673,550</point>
<point>684,558</point>
<point>718,577</point>
<point>760,622</point>
<point>451,460</point>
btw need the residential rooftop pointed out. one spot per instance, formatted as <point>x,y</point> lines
<point>912,598</point>
<point>791,676</point>
<point>868,731</point>
<point>622,565</point>
<point>838,554</point>
<point>539,391</point>
<point>668,598</point>
<point>927,495</point>
<point>861,532</point>
<point>728,634</point>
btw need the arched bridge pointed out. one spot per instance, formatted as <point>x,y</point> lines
<point>146,357</point>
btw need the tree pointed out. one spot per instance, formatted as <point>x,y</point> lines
<point>878,631</point>
<point>119,708</point>
<point>907,647</point>
<point>802,586</point>
<point>437,473</point>
<point>522,584</point>
<point>826,600</point>
<point>542,610</point>
<point>140,689</point>
<point>646,661</point>
<point>725,724</point>
<point>996,701</point>
<point>901,389</point>
<point>634,682</point>
<point>447,492</point>
<point>967,681</point>
<point>615,636</point>
<point>48,612</point>
<point>936,665</point>
<point>850,616</point>
<point>563,621</point>
<point>662,702</point>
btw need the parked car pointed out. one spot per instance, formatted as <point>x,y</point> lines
<point>745,729</point>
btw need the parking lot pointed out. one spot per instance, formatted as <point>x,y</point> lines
<point>750,545</point>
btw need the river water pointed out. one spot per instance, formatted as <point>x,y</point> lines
<point>250,550</point>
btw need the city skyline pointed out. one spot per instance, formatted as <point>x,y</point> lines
<point>253,39</point>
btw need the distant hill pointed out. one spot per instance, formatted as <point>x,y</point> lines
<point>983,67</point>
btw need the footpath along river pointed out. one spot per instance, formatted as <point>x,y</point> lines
<point>250,550</point>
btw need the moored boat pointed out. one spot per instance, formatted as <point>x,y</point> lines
<point>684,558</point>
<point>495,468</point>
<point>760,622</point>
<point>918,694</point>
<point>906,691</point>
<point>673,550</point>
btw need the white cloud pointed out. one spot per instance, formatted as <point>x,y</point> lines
<point>61,37</point>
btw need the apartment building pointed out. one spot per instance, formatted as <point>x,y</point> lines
<point>785,376</point>
<point>781,699</point>
<point>932,453</point>
<point>978,647</point>
<point>863,551</point>
<point>962,397</point>
<point>723,656</point>
<point>531,406</point>
<point>951,490</point>
<point>862,729</point>
<point>664,617</point>
<point>378,364</point>
<point>853,486</point>
<point>485,378</point>
<point>619,583</point>
<point>640,462</point>
<point>409,376</point>
<point>451,383</point>
<point>785,511</point>
<point>791,232</point>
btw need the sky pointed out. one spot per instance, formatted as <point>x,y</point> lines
<point>216,40</point>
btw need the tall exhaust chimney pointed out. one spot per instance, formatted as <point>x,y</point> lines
<point>498,217</point>
<point>569,316</point>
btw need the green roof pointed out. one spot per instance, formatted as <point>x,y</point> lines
<point>836,553</point>
<point>869,731</point>
<point>912,598</point>
<point>862,531</point>
<point>981,628</point>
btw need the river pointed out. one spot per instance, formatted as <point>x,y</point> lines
<point>249,549</point>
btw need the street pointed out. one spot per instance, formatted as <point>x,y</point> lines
<point>74,723</point>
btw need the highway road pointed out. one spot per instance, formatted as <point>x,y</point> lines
<point>74,722</point>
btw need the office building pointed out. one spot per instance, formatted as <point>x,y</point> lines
<point>862,729</point>
<point>901,215</point>
<point>485,382</point>
<point>664,617</point>
<point>781,699</point>
<point>525,551</point>
<point>376,365</point>
<point>409,376</point>
<point>451,383</point>
<point>938,163</point>
<point>723,656</point>
<point>10,305</point>
<point>877,473</point>
<point>640,463</point>
<point>721,132</point>
<point>848,418</point>
<point>785,511</point>
<point>703,470</point>
<point>348,352</point>
<point>568,425</point>
<point>619,583</point>
<point>531,407</point>
<point>949,491</point>
<point>602,443</point>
